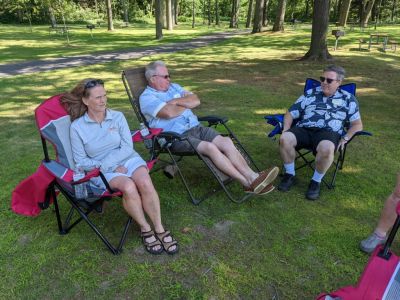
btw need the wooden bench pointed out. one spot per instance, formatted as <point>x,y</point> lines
<point>392,45</point>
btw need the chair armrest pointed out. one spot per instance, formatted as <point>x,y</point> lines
<point>277,122</point>
<point>137,137</point>
<point>213,120</point>
<point>359,133</point>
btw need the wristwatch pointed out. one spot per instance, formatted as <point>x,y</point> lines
<point>346,138</point>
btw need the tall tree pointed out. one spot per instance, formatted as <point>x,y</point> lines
<point>209,12</point>
<point>318,46</point>
<point>393,10</point>
<point>159,18</point>
<point>125,7</point>
<point>265,13</point>
<point>280,16</point>
<point>176,11</point>
<point>193,13</point>
<point>217,12</point>
<point>344,12</point>
<point>169,14</point>
<point>234,22</point>
<point>250,10</point>
<point>258,16</point>
<point>109,16</point>
<point>366,12</point>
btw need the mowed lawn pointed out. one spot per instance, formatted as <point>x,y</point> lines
<point>278,246</point>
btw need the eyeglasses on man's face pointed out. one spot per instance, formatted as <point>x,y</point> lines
<point>163,76</point>
<point>328,80</point>
<point>92,83</point>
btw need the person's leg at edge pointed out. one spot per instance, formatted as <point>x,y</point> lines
<point>226,146</point>
<point>287,145</point>
<point>132,203</point>
<point>323,159</point>
<point>149,199</point>
<point>221,161</point>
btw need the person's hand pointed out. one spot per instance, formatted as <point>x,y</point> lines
<point>185,93</point>
<point>121,169</point>
<point>343,141</point>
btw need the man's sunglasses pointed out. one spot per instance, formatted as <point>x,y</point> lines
<point>328,80</point>
<point>92,83</point>
<point>163,76</point>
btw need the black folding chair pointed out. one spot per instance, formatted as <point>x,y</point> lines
<point>305,155</point>
<point>135,82</point>
<point>53,123</point>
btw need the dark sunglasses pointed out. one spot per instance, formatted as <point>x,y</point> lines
<point>328,80</point>
<point>163,76</point>
<point>92,83</point>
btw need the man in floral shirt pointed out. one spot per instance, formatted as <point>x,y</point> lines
<point>320,115</point>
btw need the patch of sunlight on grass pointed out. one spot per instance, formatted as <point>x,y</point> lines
<point>366,91</point>
<point>12,110</point>
<point>225,81</point>
<point>352,170</point>
<point>268,111</point>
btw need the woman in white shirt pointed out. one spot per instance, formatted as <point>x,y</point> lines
<point>100,137</point>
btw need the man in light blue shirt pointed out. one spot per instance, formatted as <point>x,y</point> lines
<point>168,106</point>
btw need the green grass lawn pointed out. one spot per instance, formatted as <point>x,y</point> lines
<point>278,246</point>
<point>18,43</point>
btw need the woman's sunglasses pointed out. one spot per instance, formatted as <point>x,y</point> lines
<point>92,83</point>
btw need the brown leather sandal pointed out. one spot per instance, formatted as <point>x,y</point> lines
<point>167,245</point>
<point>151,247</point>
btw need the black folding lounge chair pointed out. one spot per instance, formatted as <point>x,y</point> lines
<point>305,155</point>
<point>53,123</point>
<point>135,82</point>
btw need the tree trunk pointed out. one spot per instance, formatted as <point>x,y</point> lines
<point>249,13</point>
<point>234,22</point>
<point>217,12</point>
<point>318,47</point>
<point>209,12</point>
<point>169,14</point>
<point>366,13</point>
<point>258,16</point>
<point>344,12</point>
<point>265,13</point>
<point>280,16</point>
<point>307,11</point>
<point>52,17</point>
<point>109,16</point>
<point>125,5</point>
<point>176,11</point>
<point>193,14</point>
<point>163,11</point>
<point>393,10</point>
<point>158,15</point>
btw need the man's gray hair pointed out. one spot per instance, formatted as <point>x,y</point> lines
<point>151,69</point>
<point>338,70</point>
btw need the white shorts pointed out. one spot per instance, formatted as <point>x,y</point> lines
<point>131,164</point>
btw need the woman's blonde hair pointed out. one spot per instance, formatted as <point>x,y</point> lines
<point>72,100</point>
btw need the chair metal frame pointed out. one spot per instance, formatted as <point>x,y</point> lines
<point>135,82</point>
<point>82,207</point>
<point>305,154</point>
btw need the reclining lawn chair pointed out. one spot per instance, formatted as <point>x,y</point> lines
<point>381,276</point>
<point>135,82</point>
<point>305,154</point>
<point>53,123</point>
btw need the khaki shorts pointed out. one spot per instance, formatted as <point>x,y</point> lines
<point>195,135</point>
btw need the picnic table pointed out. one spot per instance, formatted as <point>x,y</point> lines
<point>374,38</point>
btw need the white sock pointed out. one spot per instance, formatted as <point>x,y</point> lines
<point>289,168</point>
<point>317,176</point>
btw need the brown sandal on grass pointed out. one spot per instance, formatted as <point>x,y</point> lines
<point>151,247</point>
<point>168,245</point>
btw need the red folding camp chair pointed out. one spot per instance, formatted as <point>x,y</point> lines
<point>381,277</point>
<point>53,123</point>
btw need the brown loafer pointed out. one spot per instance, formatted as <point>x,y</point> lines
<point>269,188</point>
<point>265,178</point>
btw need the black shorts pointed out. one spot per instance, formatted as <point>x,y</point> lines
<point>311,137</point>
<point>195,135</point>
